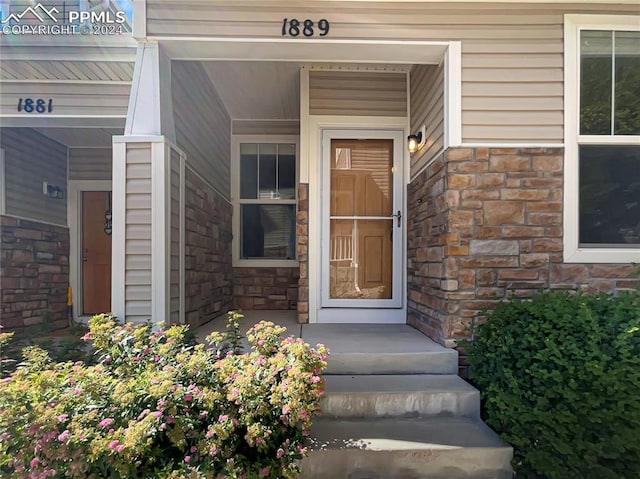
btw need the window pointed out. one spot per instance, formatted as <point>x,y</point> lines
<point>265,202</point>
<point>602,129</point>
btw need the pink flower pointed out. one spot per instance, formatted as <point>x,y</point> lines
<point>157,413</point>
<point>113,444</point>
<point>63,417</point>
<point>265,471</point>
<point>120,448</point>
<point>77,391</point>
<point>279,453</point>
<point>106,422</point>
<point>170,419</point>
<point>187,458</point>
<point>188,397</point>
<point>34,462</point>
<point>315,379</point>
<point>63,436</point>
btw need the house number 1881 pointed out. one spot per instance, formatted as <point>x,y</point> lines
<point>294,27</point>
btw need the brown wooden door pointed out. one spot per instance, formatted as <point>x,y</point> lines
<point>361,223</point>
<point>96,253</point>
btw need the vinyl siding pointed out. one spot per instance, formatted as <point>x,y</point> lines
<point>174,237</point>
<point>266,127</point>
<point>90,163</point>
<point>511,53</point>
<point>427,108</point>
<point>357,93</point>
<point>203,126</point>
<point>138,233</point>
<point>93,99</point>
<point>31,158</point>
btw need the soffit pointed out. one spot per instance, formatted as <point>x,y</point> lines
<point>82,137</point>
<point>66,70</point>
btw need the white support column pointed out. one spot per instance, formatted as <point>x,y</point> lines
<point>141,204</point>
<point>150,104</point>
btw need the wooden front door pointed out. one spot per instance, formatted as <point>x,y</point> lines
<point>96,253</point>
<point>363,222</point>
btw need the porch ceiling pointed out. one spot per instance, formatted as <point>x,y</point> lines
<point>66,70</point>
<point>257,90</point>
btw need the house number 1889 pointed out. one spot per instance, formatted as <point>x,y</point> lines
<point>294,27</point>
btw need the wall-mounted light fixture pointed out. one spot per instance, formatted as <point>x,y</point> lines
<point>416,141</point>
<point>52,191</point>
<point>108,216</point>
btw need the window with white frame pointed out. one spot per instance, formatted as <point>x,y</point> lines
<point>265,202</point>
<point>602,121</point>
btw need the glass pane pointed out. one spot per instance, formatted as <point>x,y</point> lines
<point>268,231</point>
<point>627,91</point>
<point>267,169</point>
<point>360,262</point>
<point>287,171</point>
<point>248,171</point>
<point>595,82</point>
<point>610,195</point>
<point>361,177</point>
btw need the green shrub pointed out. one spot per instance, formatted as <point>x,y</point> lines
<point>560,378</point>
<point>156,406</point>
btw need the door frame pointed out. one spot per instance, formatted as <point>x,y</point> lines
<point>75,188</point>
<point>317,313</point>
<point>397,289</point>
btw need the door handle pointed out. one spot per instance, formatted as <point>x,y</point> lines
<point>398,217</point>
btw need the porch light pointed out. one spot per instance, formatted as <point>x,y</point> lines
<point>416,141</point>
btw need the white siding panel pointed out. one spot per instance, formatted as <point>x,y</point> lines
<point>427,108</point>
<point>266,127</point>
<point>138,233</point>
<point>94,99</point>
<point>90,163</point>
<point>203,126</point>
<point>30,159</point>
<point>357,93</point>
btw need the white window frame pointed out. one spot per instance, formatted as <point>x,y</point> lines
<point>236,141</point>
<point>573,25</point>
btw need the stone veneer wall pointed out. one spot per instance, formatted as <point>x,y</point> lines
<point>34,274</point>
<point>302,233</point>
<point>265,288</point>
<point>208,269</point>
<point>492,218</point>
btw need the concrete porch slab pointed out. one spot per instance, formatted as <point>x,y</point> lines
<point>380,349</point>
<point>358,348</point>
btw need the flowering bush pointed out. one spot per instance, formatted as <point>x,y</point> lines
<point>156,406</point>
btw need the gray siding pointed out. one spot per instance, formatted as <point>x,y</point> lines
<point>427,108</point>
<point>31,158</point>
<point>203,126</point>
<point>174,237</point>
<point>93,99</point>
<point>90,163</point>
<point>138,233</point>
<point>266,127</point>
<point>357,93</point>
<point>511,53</point>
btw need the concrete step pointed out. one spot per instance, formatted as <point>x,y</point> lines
<point>380,349</point>
<point>402,448</point>
<point>351,396</point>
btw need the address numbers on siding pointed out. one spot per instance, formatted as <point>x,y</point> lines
<point>292,27</point>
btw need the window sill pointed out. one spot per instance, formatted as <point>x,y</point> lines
<point>265,263</point>
<point>602,255</point>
